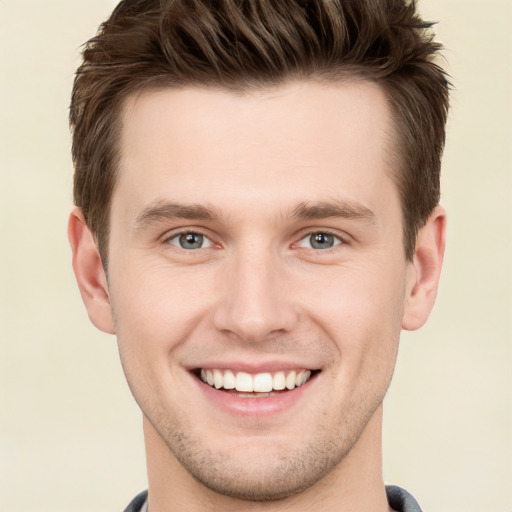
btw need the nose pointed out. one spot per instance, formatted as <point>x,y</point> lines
<point>256,302</point>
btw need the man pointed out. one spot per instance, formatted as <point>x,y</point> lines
<point>256,219</point>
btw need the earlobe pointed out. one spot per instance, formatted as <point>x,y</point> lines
<point>89,272</point>
<point>425,270</point>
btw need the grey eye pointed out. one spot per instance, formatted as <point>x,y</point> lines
<point>319,241</point>
<point>190,241</point>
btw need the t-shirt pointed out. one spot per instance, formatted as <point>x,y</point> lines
<point>399,499</point>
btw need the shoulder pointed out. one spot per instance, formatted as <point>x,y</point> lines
<point>400,500</point>
<point>137,502</point>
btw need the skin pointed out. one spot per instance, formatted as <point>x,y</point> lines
<point>257,174</point>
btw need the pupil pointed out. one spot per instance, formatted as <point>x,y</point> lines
<point>191,241</point>
<point>321,241</point>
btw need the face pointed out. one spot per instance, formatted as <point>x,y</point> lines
<point>257,278</point>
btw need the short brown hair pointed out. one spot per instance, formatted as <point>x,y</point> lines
<point>241,44</point>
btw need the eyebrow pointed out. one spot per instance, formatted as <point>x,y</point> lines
<point>160,211</point>
<point>163,210</point>
<point>337,209</point>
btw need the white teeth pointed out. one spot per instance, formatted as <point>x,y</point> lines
<point>262,383</point>
<point>279,381</point>
<point>290,380</point>
<point>218,379</point>
<point>258,383</point>
<point>229,380</point>
<point>244,382</point>
<point>304,377</point>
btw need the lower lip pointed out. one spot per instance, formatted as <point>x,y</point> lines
<point>253,406</point>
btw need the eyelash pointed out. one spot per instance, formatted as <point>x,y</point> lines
<point>180,234</point>
<point>307,236</point>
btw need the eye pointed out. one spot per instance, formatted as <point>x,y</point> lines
<point>319,241</point>
<point>190,241</point>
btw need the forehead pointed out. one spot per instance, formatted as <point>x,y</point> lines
<point>291,142</point>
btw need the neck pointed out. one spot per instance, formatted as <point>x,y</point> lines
<point>356,483</point>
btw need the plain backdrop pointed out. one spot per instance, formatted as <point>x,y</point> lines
<point>70,433</point>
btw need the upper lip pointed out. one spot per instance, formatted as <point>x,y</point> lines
<point>253,367</point>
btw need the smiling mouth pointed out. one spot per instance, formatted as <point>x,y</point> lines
<point>255,385</point>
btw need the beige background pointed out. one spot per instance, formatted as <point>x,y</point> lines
<point>70,437</point>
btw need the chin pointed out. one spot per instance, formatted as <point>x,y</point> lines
<point>260,469</point>
<point>262,480</point>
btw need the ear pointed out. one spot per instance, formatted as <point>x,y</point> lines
<point>424,271</point>
<point>89,272</point>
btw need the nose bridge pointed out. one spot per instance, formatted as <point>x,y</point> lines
<point>254,303</point>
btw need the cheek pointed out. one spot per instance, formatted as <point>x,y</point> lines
<point>362,312</point>
<point>157,304</point>
<point>359,299</point>
<point>154,312</point>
